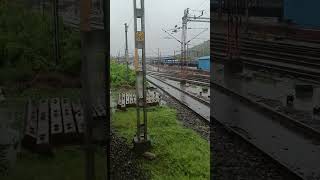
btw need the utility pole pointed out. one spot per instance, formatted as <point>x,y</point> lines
<point>187,55</point>
<point>56,32</point>
<point>184,37</point>
<point>158,58</point>
<point>126,50</point>
<point>118,58</point>
<point>185,19</point>
<point>141,140</point>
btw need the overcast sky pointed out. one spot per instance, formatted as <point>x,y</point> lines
<point>159,14</point>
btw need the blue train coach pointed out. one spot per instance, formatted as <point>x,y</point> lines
<point>204,63</point>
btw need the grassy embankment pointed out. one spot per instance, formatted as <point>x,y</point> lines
<point>181,153</point>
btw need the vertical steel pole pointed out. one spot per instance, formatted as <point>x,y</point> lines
<point>136,58</point>
<point>56,31</point>
<point>118,57</point>
<point>126,51</point>
<point>144,73</point>
<point>184,37</point>
<point>158,58</point>
<point>140,67</point>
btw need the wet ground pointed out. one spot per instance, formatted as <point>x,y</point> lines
<point>268,134</point>
<point>124,163</point>
<point>272,89</point>
<point>9,140</point>
<point>231,157</point>
<point>263,130</point>
<point>198,91</point>
<point>259,128</point>
<point>175,90</point>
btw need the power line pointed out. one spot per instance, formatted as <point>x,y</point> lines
<point>130,22</point>
<point>202,4</point>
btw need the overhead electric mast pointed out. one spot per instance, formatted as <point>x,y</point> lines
<point>126,51</point>
<point>141,140</point>
<point>184,42</point>
<point>185,19</point>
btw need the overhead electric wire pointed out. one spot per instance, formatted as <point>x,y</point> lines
<point>202,4</point>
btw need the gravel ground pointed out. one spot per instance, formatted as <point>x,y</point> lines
<point>124,163</point>
<point>234,159</point>
<point>231,157</point>
<point>188,118</point>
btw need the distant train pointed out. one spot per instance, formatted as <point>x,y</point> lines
<point>202,63</point>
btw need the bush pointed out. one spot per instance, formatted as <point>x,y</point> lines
<point>119,75</point>
<point>71,57</point>
<point>26,42</point>
<point>12,74</point>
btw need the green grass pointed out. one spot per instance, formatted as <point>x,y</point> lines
<point>119,75</point>
<point>181,153</point>
<point>67,164</point>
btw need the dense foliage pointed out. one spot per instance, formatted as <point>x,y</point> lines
<point>119,75</point>
<point>26,43</point>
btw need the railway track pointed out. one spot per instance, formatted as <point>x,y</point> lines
<point>272,133</point>
<point>204,81</point>
<point>289,58</point>
<point>199,106</point>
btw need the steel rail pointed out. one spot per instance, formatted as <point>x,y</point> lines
<point>274,137</point>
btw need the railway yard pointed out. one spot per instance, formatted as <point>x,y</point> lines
<point>245,106</point>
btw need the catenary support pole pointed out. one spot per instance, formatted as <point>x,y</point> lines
<point>126,51</point>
